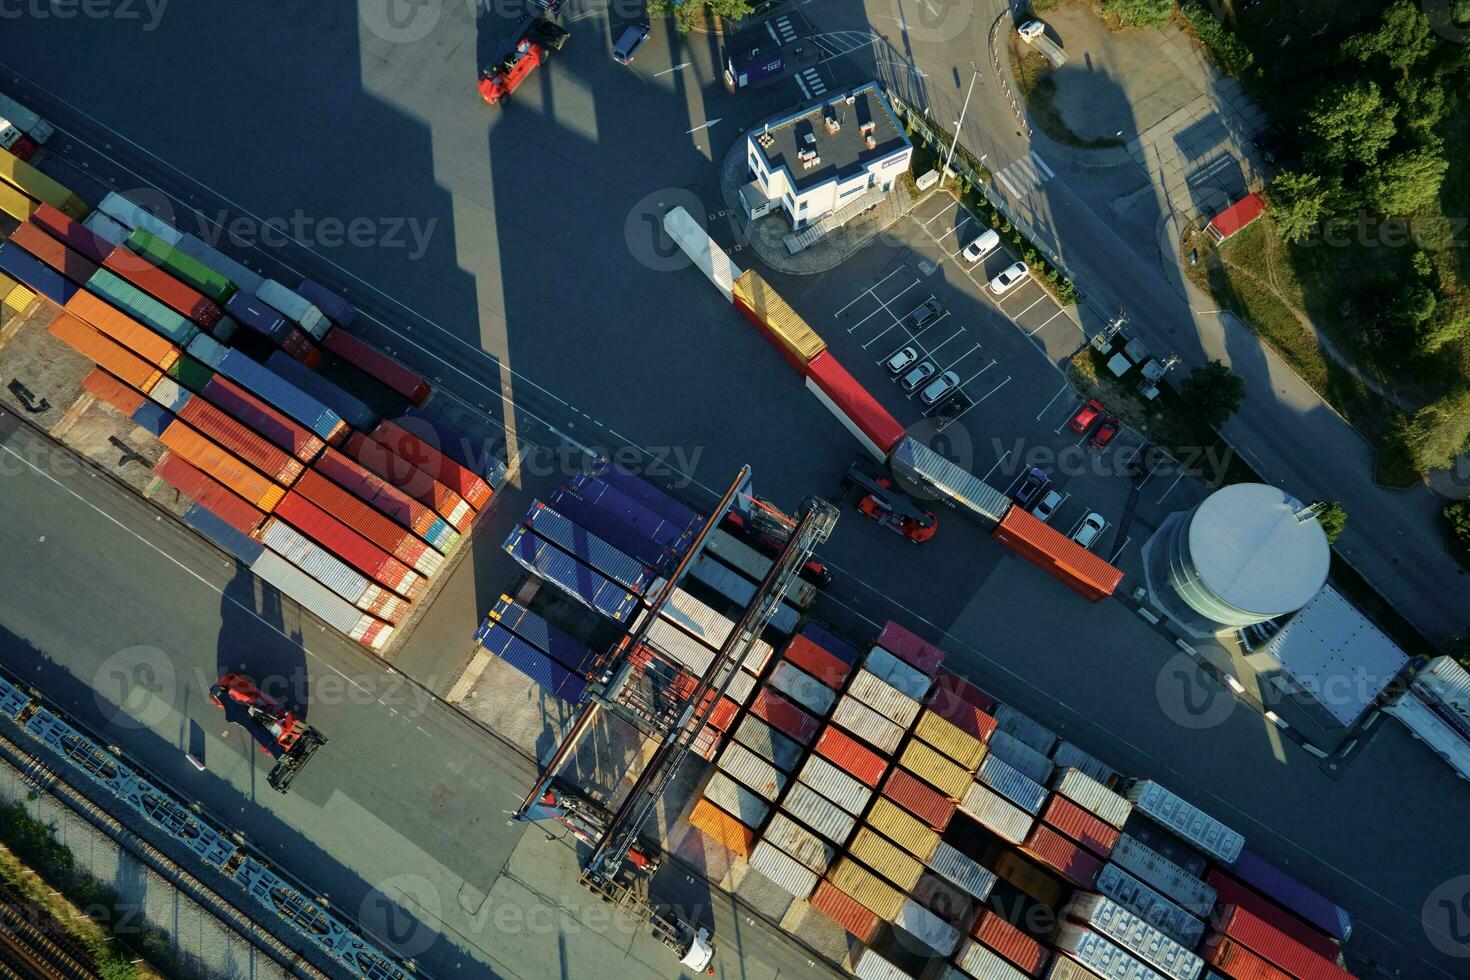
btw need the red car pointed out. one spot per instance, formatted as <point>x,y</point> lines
<point>1086,415</point>
<point>1105,431</point>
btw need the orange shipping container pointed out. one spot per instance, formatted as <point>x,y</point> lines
<point>107,319</point>
<point>1058,555</point>
<point>218,463</point>
<point>115,358</point>
<point>240,440</point>
<point>720,827</point>
<point>113,391</point>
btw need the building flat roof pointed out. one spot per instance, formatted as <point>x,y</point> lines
<point>1250,550</point>
<point>841,153</point>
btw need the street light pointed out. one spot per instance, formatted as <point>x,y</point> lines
<point>959,123</point>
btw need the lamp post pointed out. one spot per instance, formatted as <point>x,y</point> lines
<point>959,123</point>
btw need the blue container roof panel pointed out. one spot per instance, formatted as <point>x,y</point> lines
<point>350,408</point>
<point>645,493</point>
<point>242,546</point>
<point>549,675</point>
<point>276,390</point>
<point>259,316</point>
<point>571,653</point>
<point>630,511</point>
<point>153,417</point>
<point>574,578</point>
<point>602,521</point>
<point>588,548</point>
<point>31,271</point>
<point>828,641</point>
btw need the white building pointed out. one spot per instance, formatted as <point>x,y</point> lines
<point>817,160</point>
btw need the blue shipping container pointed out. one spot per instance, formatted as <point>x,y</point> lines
<point>1150,834</point>
<point>40,277</point>
<point>823,638</point>
<point>1295,896</point>
<point>549,675</point>
<point>570,653</point>
<point>1009,782</point>
<point>645,493</point>
<point>350,408</point>
<point>153,417</point>
<point>589,549</point>
<point>603,522</point>
<point>242,546</point>
<point>333,307</point>
<point>256,314</point>
<point>271,388</point>
<point>629,511</point>
<point>576,579</point>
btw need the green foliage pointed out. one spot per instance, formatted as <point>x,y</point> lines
<point>686,13</point>
<point>1458,516</point>
<point>1451,324</point>
<point>1223,43</point>
<point>1333,519</point>
<point>1439,431</point>
<point>1298,202</point>
<point>1423,100</point>
<point>1350,123</point>
<point>1140,13</point>
<point>1067,292</point>
<point>1213,392</point>
<point>1407,182</point>
<point>1403,38</point>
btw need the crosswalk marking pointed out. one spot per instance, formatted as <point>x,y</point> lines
<point>1025,174</point>
<point>784,32</point>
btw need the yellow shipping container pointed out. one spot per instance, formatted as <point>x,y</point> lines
<point>15,203</point>
<point>1030,879</point>
<point>6,285</point>
<point>790,330</point>
<point>954,742</point>
<point>903,828</point>
<point>722,828</point>
<point>18,299</point>
<point>866,888</point>
<point>21,175</point>
<point>932,766</point>
<point>886,858</point>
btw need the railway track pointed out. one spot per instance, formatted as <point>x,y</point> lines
<point>33,945</point>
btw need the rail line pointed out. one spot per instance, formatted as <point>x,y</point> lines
<point>33,944</point>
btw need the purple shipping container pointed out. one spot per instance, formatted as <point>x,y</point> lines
<point>612,529</point>
<point>259,316</point>
<point>570,653</point>
<point>352,409</point>
<point>41,278</point>
<point>834,645</point>
<point>629,511</point>
<point>333,307</point>
<point>645,493</point>
<point>549,675</point>
<point>584,584</point>
<point>277,391</point>
<point>1295,896</point>
<point>589,549</point>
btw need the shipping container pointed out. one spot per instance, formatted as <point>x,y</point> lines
<point>410,479</point>
<point>948,680</point>
<point>130,215</point>
<point>915,462</point>
<point>158,283</point>
<point>722,828</point>
<point>372,524</point>
<point>1025,728</point>
<point>376,365</point>
<point>645,493</point>
<point>817,662</point>
<point>927,804</point>
<point>1032,764</point>
<point>153,417</point>
<point>347,544</point>
<point>254,449</point>
<point>1087,829</point>
<point>259,316</point>
<point>209,493</point>
<point>1058,555</point>
<point>474,490</point>
<point>604,497</point>
<point>1156,838</point>
<point>387,499</point>
<point>18,300</point>
<point>803,688</point>
<point>739,590</point>
<point>246,279</point>
<point>997,814</point>
<point>768,743</point>
<point>271,388</point>
<point>846,911</point>
<point>851,756</point>
<point>1100,956</point>
<point>1232,892</point>
<point>1148,866</point>
<point>753,565</point>
<point>911,648</point>
<point>322,602</point>
<point>900,675</point>
<point>606,524</point>
<point>333,306</point>
<point>852,405</point>
<point>105,228</point>
<point>294,306</point>
<point>860,720</point>
<point>1092,796</point>
<point>753,772</point>
<point>962,714</point>
<point>25,268</point>
<point>799,843</point>
<point>903,828</point>
<point>835,784</point>
<point>240,404</point>
<point>983,963</point>
<point>866,888</point>
<point>777,322</point>
<point>1029,878</point>
<point>1185,819</point>
<point>26,120</point>
<point>771,706</point>
<point>124,398</point>
<point>187,269</point>
<point>962,871</point>
<point>829,641</point>
<point>106,319</point>
<point>1150,906</point>
<point>1005,780</point>
<point>589,549</point>
<point>736,800</point>
<point>17,203</point>
<point>884,698</point>
<point>1239,963</point>
<point>871,966</point>
<point>936,769</point>
<point>142,307</point>
<point>349,407</point>
<point>943,735</point>
<point>1274,945</point>
<point>885,858</point>
<point>575,579</point>
<point>549,675</point>
<point>242,547</point>
<point>927,927</point>
<point>784,871</point>
<point>1066,968</point>
<point>1068,859</point>
<point>110,355</point>
<point>820,814</point>
<point>206,350</point>
<point>71,264</point>
<point>707,257</point>
<point>1069,756</point>
<point>1021,950</point>
<point>1296,897</point>
<point>41,188</point>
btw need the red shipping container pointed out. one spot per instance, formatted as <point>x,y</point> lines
<point>474,490</point>
<point>209,493</point>
<point>851,756</point>
<point>370,523</point>
<point>1017,947</point>
<point>348,545</point>
<point>371,489</point>
<point>1057,555</point>
<point>817,662</point>
<point>1063,856</point>
<point>75,235</point>
<point>846,911</point>
<point>771,707</point>
<point>911,648</point>
<point>723,715</point>
<point>1092,832</point>
<point>171,292</point>
<point>962,714</point>
<point>120,396</point>
<point>1275,946</point>
<point>299,346</point>
<point>75,266</point>
<point>240,440</point>
<point>955,684</point>
<point>1233,892</point>
<point>410,479</point>
<point>918,798</point>
<point>854,404</point>
<point>25,148</point>
<point>376,364</point>
<point>240,404</point>
<point>1237,962</point>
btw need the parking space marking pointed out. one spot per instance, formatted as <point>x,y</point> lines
<point>883,308</point>
<point>1049,319</point>
<point>1171,488</point>
<point>1060,392</point>
<point>996,465</point>
<point>871,288</point>
<point>1038,299</point>
<point>963,414</point>
<point>946,340</point>
<point>1068,417</point>
<point>977,373</point>
<point>1114,560</point>
<point>956,229</point>
<point>937,217</point>
<point>997,387</point>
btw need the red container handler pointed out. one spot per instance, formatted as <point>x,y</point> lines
<point>124,398</point>
<point>372,489</point>
<point>1275,946</point>
<point>235,436</point>
<point>1092,832</point>
<point>371,524</point>
<point>240,404</point>
<point>962,714</point>
<point>1063,856</point>
<point>846,911</point>
<point>374,363</point>
<point>1233,892</point>
<point>817,662</point>
<point>964,690</point>
<point>474,490</point>
<point>410,479</point>
<point>1237,962</point>
<point>163,287</point>
<point>999,935</point>
<point>209,493</point>
<point>75,266</point>
<point>918,798</point>
<point>851,756</point>
<point>770,707</point>
<point>918,652</point>
<point>350,546</point>
<point>73,234</point>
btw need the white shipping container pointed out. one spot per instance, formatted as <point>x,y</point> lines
<point>982,963</point>
<point>765,741</point>
<point>739,590</point>
<point>785,871</point>
<point>25,119</point>
<point>105,228</point>
<point>1069,756</point>
<point>741,686</point>
<point>803,688</point>
<point>129,215</point>
<point>310,594</point>
<point>1023,727</point>
<point>736,800</point>
<point>886,667</point>
<point>1186,820</point>
<point>835,784</point>
<point>1066,968</point>
<point>708,626</point>
<point>1152,868</point>
<point>883,698</point>
<point>679,647</point>
<point>803,845</point>
<point>1134,936</point>
<point>1021,757</point>
<point>294,307</point>
<point>314,560</point>
<point>248,281</point>
<point>1092,796</point>
<point>819,813</point>
<point>860,720</point>
<point>168,394</point>
<point>1101,956</point>
<point>9,134</point>
<point>997,814</point>
<point>927,927</point>
<point>962,871</point>
<point>871,966</point>
<point>205,348</point>
<point>1150,906</point>
<point>707,257</point>
<point>755,773</point>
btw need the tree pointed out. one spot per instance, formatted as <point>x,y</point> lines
<point>1406,182</point>
<point>1451,324</point>
<point>1333,519</point>
<point>687,12</point>
<point>1351,123</point>
<point>1439,431</point>
<point>1213,392</point>
<point>1403,37</point>
<point>1423,99</point>
<point>1458,515</point>
<point>1298,201</point>
<point>1140,13</point>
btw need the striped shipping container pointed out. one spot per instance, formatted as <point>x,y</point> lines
<point>247,280</point>
<point>996,814</point>
<point>1021,757</point>
<point>803,688</point>
<point>1292,895</point>
<point>16,203</point>
<point>831,642</point>
<point>723,714</point>
<point>209,493</point>
<point>333,307</point>
<point>923,802</point>
<point>1068,859</point>
<point>73,265</point>
<point>962,714</point>
<point>983,963</point>
<point>736,800</point>
<point>755,773</point>
<point>927,927</point>
<point>243,548</point>
<point>867,724</point>
<point>960,746</point>
<point>627,571</point>
<point>169,394</point>
<point>142,307</point>
<point>818,662</point>
<point>777,322</point>
<point>551,677</point>
<point>474,490</point>
<point>190,373</point>
<point>240,404</point>
<point>814,810</point>
<point>587,586</point>
<point>886,667</point>
<point>871,966</point>
<point>376,364</point>
<point>1151,835</point>
<point>770,706</point>
<point>936,769</point>
<point>1274,945</point>
<point>883,697</point>
<point>769,744</point>
<point>885,858</point>
<point>1066,968</point>
<point>24,177</point>
<point>1092,796</point>
<point>120,396</point>
<point>1148,866</point>
<point>25,268</point>
<point>866,888</point>
<point>1186,820</point>
<point>290,400</point>
<point>859,921</point>
<point>350,546</point>
<point>291,363</point>
<point>784,871</point>
<point>1069,756</point>
<point>1006,781</point>
<point>1232,892</point>
<point>107,353</point>
<point>240,440</point>
<point>835,784</point>
<point>1025,728</point>
<point>1022,873</point>
<point>188,270</point>
<point>706,744</point>
<point>153,418</point>
<point>911,648</point>
<point>319,600</point>
<point>370,523</point>
<point>158,283</point>
<point>722,828</point>
<point>851,756</point>
<point>999,935</point>
<point>962,871</point>
<point>384,498</point>
<point>1135,937</point>
<point>410,479</point>
<point>321,565</point>
<point>1239,963</point>
<point>1099,955</point>
<point>1089,830</point>
<point>903,829</point>
<point>220,464</point>
<point>1153,908</point>
<point>799,843</point>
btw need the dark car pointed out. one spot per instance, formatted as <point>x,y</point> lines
<point>950,409</point>
<point>926,313</point>
<point>1106,430</point>
<point>1145,460</point>
<point>1031,486</point>
<point>1271,142</point>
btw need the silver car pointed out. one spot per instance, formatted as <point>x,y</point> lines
<point>939,387</point>
<point>1047,505</point>
<point>1009,276</point>
<point>918,375</point>
<point>1092,525</point>
<point>902,359</point>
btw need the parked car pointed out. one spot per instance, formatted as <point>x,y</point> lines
<point>1009,276</point>
<point>924,314</point>
<point>1270,142</point>
<point>1032,484</point>
<point>1092,525</point>
<point>1031,30</point>
<point>1047,505</point>
<point>982,246</point>
<point>1106,429</point>
<point>1086,415</point>
<point>902,359</point>
<point>950,409</point>
<point>920,373</point>
<point>628,43</point>
<point>939,387</point>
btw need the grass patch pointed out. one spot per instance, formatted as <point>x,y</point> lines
<point>1039,91</point>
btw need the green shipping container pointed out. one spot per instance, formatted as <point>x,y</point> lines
<point>140,306</point>
<point>190,373</point>
<point>184,267</point>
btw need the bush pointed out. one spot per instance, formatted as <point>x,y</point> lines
<point>1458,515</point>
<point>1067,292</point>
<point>1228,49</point>
<point>1333,519</point>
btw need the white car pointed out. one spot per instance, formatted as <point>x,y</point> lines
<point>902,359</point>
<point>982,246</point>
<point>1009,276</point>
<point>1047,505</point>
<point>1092,525</point>
<point>939,387</point>
<point>1031,30</point>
